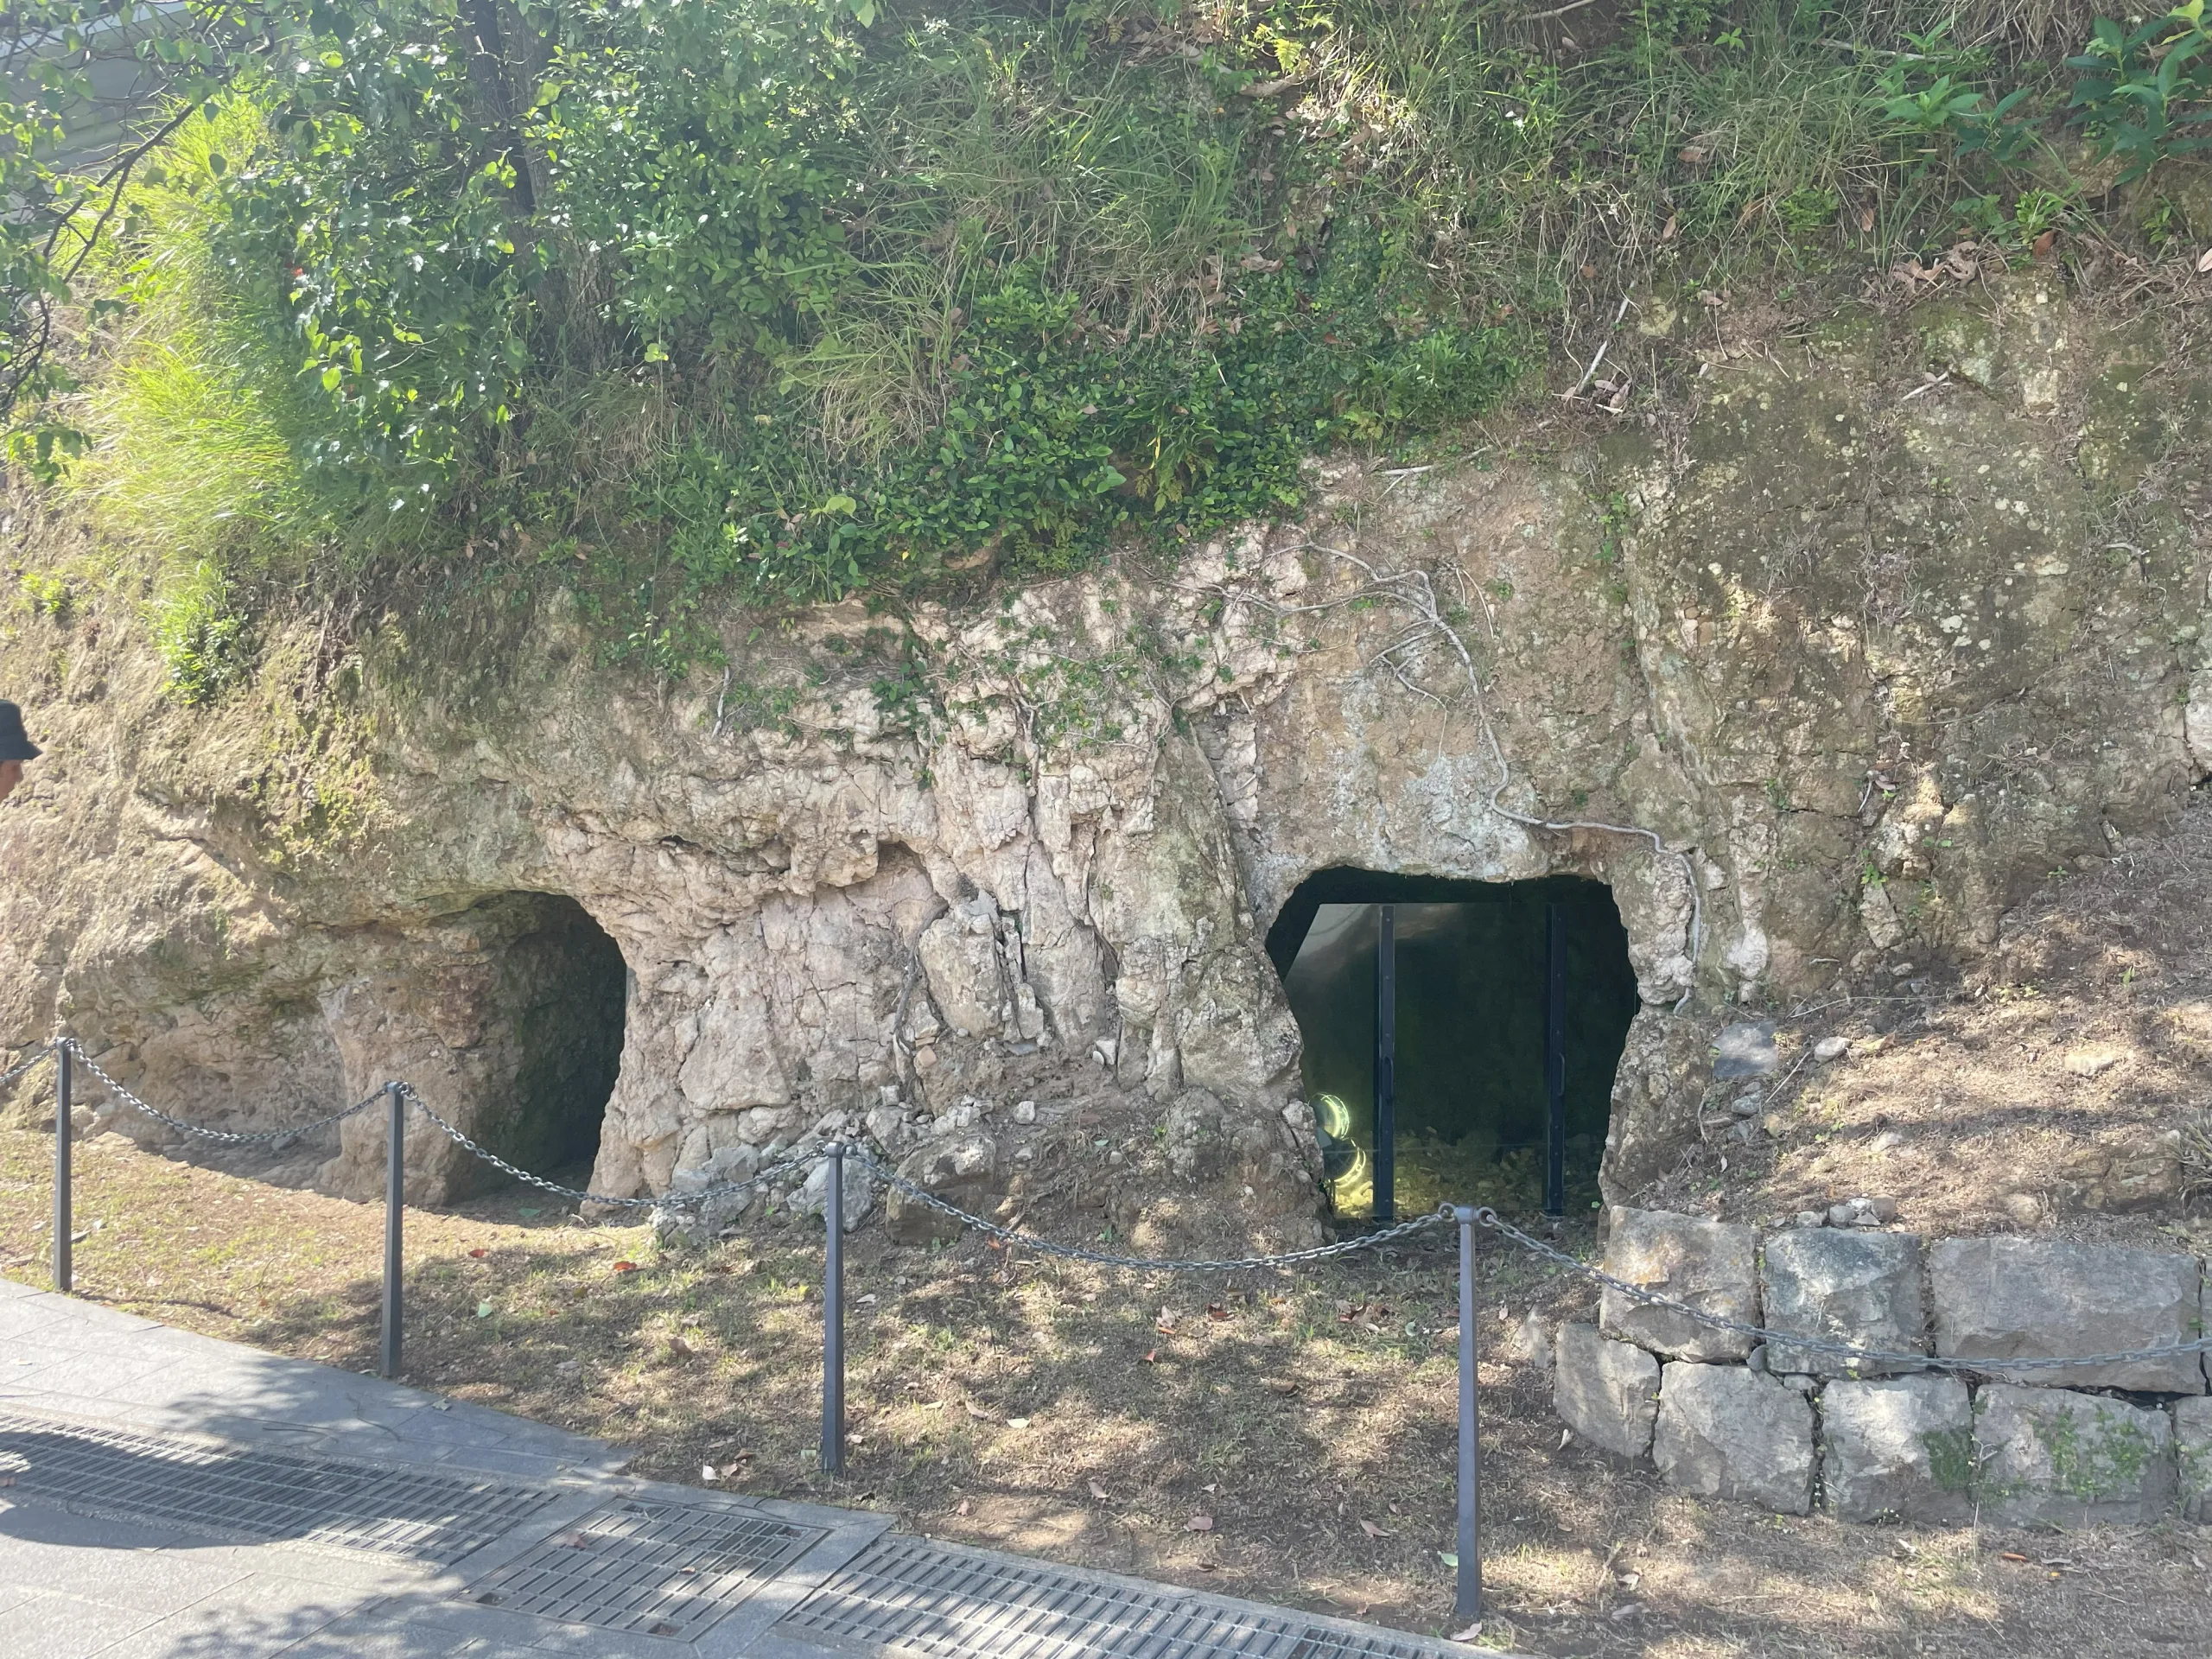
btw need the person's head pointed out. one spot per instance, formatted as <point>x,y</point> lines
<point>16,747</point>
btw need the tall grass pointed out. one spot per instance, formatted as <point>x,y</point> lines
<point>199,432</point>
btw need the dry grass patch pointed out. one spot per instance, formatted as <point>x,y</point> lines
<point>1089,1418</point>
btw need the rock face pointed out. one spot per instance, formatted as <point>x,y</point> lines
<point>1726,1431</point>
<point>2193,1453</point>
<point>1061,825</point>
<point>1710,1265</point>
<point>1859,1287</point>
<point>1606,1391</point>
<point>1902,1448</point>
<point>2053,1456</point>
<point>2020,1298</point>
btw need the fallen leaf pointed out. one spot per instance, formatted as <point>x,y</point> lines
<point>1279,1384</point>
<point>1691,153</point>
<point>479,1252</point>
<point>1866,221</point>
<point>2011,1555</point>
<point>978,1413</point>
<point>626,1267</point>
<point>1628,1610</point>
<point>1372,1531</point>
<point>932,1405</point>
<point>1469,1633</point>
<point>1150,1356</point>
<point>1565,1435</point>
<point>965,1507</point>
<point>2204,260</point>
<point>1672,227</point>
<point>483,1310</point>
<point>1216,1311</point>
<point>1099,1492</point>
<point>2040,248</point>
<point>706,1472</point>
<point>1017,1423</point>
<point>680,1348</point>
<point>1198,1524</point>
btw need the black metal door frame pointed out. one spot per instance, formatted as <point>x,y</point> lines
<point>1385,1207</point>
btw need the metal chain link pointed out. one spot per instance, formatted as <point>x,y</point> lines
<point>1863,1357</point>
<point>25,1064</point>
<point>667,1200</point>
<point>228,1137</point>
<point>1140,1263</point>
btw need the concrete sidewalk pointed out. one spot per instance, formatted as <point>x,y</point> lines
<point>168,1495</point>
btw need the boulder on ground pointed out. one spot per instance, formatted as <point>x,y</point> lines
<point>964,1172</point>
<point>2053,1457</point>
<point>1859,1287</point>
<point>2193,1452</point>
<point>1726,1431</point>
<point>1709,1264</point>
<point>1606,1391</point>
<point>2031,1299</point>
<point>1901,1448</point>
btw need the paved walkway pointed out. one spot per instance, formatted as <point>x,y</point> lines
<point>168,1495</point>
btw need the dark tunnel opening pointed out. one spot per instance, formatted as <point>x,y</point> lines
<point>1470,1099</point>
<point>566,989</point>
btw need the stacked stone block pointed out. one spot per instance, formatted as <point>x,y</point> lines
<point>1789,1426</point>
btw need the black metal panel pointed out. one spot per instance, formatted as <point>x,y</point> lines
<point>421,1514</point>
<point>935,1602</point>
<point>653,1569</point>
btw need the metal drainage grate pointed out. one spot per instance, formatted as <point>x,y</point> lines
<point>661,1569</point>
<point>916,1597</point>
<point>264,1496</point>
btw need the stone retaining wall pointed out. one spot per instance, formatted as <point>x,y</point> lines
<point>1723,1415</point>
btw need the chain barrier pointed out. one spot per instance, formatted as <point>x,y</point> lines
<point>667,1200</point>
<point>1860,1357</point>
<point>227,1137</point>
<point>25,1064</point>
<point>1485,1216</point>
<point>1010,1236</point>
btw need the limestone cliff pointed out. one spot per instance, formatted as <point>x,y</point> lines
<point>1822,675</point>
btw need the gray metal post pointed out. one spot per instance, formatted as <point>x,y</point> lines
<point>1386,1065</point>
<point>1469,1605</point>
<point>1556,1059</point>
<point>395,1201</point>
<point>64,1268</point>
<point>833,1319</point>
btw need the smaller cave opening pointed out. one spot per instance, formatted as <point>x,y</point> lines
<point>1488,981</point>
<point>564,989</point>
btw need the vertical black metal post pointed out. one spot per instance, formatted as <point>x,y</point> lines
<point>833,1319</point>
<point>395,1199</point>
<point>64,1268</point>
<point>1468,1606</point>
<point>1386,1065</point>
<point>1555,1059</point>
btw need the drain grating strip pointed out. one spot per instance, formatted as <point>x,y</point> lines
<point>658,1569</point>
<point>419,1514</point>
<point>924,1598</point>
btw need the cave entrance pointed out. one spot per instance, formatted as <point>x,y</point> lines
<point>564,989</point>
<point>1461,1038</point>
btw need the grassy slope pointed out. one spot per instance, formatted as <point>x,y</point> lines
<point>1091,287</point>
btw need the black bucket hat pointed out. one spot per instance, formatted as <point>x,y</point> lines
<point>15,743</point>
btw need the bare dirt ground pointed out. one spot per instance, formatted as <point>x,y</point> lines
<point>2064,1089</point>
<point>1290,1438</point>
